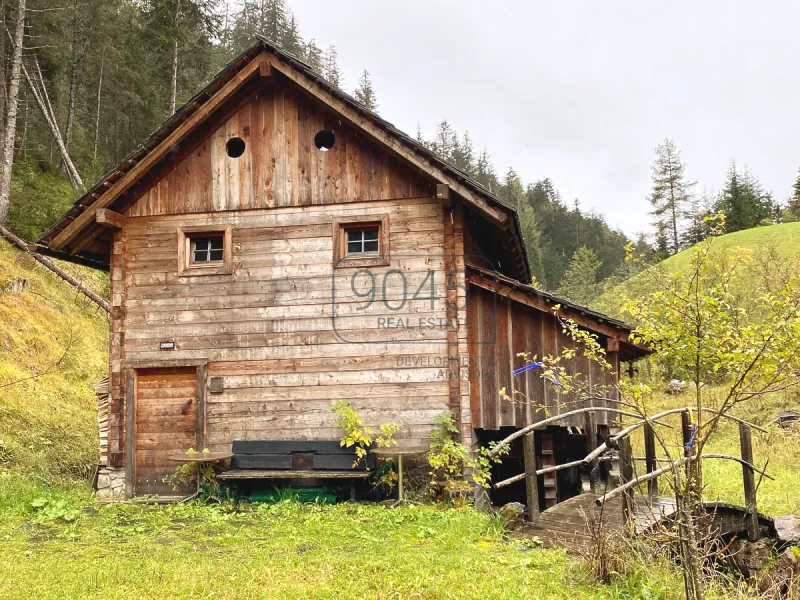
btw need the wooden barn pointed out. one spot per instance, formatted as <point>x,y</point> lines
<point>275,247</point>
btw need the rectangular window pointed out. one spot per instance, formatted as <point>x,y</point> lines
<point>361,241</point>
<point>205,251</point>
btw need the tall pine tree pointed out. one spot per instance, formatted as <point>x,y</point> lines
<point>580,284</point>
<point>744,201</point>
<point>365,94</point>
<point>670,195</point>
<point>792,211</point>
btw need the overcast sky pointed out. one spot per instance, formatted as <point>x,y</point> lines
<point>582,92</point>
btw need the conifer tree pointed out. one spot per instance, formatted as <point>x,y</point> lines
<point>463,155</point>
<point>485,173</point>
<point>670,194</point>
<point>744,201</point>
<point>698,227</point>
<point>291,40</point>
<point>331,71</point>
<point>513,192</point>
<point>580,284</point>
<point>365,95</point>
<point>445,140</point>
<point>313,55</point>
<point>792,211</point>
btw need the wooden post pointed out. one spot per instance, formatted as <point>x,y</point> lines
<point>590,425</point>
<point>531,481</point>
<point>130,431</point>
<point>748,478</point>
<point>650,459</point>
<point>626,474</point>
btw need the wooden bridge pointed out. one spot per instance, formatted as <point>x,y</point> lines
<point>569,524</point>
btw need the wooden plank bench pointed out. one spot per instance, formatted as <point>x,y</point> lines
<point>296,460</point>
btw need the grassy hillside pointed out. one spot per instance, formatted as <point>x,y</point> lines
<point>773,256</point>
<point>53,348</point>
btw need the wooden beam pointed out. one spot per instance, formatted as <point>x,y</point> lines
<point>531,480</point>
<point>200,408</point>
<point>590,425</point>
<point>443,194</point>
<point>498,216</point>
<point>749,481</point>
<point>626,475</point>
<point>651,462</point>
<point>612,344</point>
<point>109,218</point>
<point>159,152</point>
<point>130,431</point>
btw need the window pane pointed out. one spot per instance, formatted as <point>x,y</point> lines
<point>371,246</point>
<point>354,235</point>
<point>354,247</point>
<point>216,243</point>
<point>215,254</point>
<point>199,256</point>
<point>370,234</point>
<point>201,244</point>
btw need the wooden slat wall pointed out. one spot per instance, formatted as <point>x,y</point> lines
<point>267,328</point>
<point>498,330</point>
<point>281,166</point>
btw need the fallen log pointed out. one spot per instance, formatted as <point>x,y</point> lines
<point>22,245</point>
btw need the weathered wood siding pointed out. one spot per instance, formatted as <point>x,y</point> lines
<point>281,165</point>
<point>498,330</point>
<point>267,328</point>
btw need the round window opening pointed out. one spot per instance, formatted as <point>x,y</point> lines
<point>324,140</point>
<point>235,147</point>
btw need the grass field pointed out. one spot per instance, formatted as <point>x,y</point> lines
<point>292,551</point>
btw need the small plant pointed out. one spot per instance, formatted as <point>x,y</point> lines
<point>49,509</point>
<point>447,456</point>
<point>359,436</point>
<point>188,474</point>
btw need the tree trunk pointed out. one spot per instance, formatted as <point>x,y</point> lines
<point>3,73</point>
<point>97,113</point>
<point>7,148</point>
<point>43,101</point>
<point>22,245</point>
<point>173,87</point>
<point>73,86</point>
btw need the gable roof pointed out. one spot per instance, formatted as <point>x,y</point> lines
<point>76,236</point>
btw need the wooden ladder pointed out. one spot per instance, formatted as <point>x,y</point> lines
<point>547,459</point>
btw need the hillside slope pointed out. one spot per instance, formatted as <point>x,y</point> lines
<point>53,348</point>
<point>774,256</point>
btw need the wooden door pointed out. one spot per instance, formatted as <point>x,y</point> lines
<point>166,424</point>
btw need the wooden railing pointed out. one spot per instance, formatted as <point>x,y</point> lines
<point>621,440</point>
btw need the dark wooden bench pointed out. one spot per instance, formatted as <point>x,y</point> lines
<point>296,460</point>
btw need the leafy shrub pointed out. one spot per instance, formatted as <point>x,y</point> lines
<point>357,435</point>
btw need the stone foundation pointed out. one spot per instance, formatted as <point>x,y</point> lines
<point>111,483</point>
